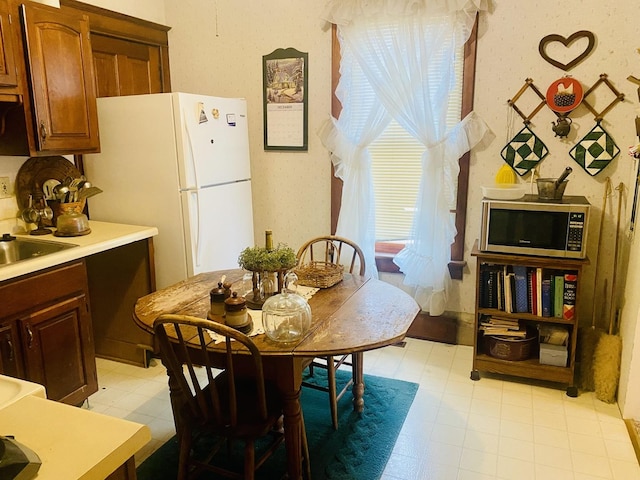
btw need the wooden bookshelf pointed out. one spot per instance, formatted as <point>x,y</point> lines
<point>529,367</point>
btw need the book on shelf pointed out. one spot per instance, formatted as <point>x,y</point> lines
<point>508,291</point>
<point>505,332</point>
<point>499,290</point>
<point>490,286</point>
<point>546,305</point>
<point>521,291</point>
<point>569,295</point>
<point>500,322</point>
<point>533,291</point>
<point>502,326</point>
<point>558,295</point>
<point>538,272</point>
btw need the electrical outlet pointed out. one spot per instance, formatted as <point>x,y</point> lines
<point>5,190</point>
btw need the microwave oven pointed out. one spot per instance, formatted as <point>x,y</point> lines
<point>530,226</point>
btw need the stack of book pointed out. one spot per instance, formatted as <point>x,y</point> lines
<point>502,326</point>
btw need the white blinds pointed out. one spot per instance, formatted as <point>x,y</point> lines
<point>396,168</point>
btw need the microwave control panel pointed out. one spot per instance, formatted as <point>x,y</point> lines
<point>576,231</point>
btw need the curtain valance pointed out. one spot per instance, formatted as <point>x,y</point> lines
<point>343,12</point>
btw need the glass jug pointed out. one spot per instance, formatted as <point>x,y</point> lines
<point>286,317</point>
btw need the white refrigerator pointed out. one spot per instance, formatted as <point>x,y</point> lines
<point>179,162</point>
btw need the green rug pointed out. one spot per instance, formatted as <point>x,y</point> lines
<point>358,450</point>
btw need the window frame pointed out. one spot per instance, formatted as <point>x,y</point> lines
<point>385,251</point>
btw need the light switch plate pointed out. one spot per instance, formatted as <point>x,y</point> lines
<point>5,188</point>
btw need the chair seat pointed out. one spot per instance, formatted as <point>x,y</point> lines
<point>250,423</point>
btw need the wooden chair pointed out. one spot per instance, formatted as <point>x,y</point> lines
<point>233,402</point>
<point>341,251</point>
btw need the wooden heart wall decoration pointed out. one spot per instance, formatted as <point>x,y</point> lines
<point>567,42</point>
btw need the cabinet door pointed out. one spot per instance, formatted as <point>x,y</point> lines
<point>59,351</point>
<point>10,357</point>
<point>8,76</point>
<point>124,67</point>
<point>60,68</point>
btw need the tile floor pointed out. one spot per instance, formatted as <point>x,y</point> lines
<point>457,429</point>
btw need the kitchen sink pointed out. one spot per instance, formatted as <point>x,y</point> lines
<point>13,389</point>
<point>13,249</point>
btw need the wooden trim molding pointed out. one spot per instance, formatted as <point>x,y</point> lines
<point>336,108</point>
<point>119,25</point>
<point>457,263</point>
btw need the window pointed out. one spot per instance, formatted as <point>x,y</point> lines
<point>396,184</point>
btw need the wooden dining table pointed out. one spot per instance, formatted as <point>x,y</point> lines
<point>355,315</point>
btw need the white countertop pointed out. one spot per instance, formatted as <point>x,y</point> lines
<point>72,443</point>
<point>103,236</point>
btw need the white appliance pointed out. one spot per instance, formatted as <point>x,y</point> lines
<point>179,162</point>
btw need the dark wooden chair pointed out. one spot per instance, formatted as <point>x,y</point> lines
<point>340,251</point>
<point>229,402</point>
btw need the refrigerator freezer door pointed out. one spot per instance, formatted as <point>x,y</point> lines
<point>213,142</point>
<point>220,226</point>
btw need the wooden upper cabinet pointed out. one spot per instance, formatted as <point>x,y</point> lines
<point>125,67</point>
<point>60,72</point>
<point>130,55</point>
<point>8,73</point>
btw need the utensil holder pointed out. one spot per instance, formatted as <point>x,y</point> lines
<point>60,208</point>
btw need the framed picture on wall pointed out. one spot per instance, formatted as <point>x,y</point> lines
<point>285,99</point>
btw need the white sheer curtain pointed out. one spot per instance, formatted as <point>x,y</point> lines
<point>362,120</point>
<point>394,44</point>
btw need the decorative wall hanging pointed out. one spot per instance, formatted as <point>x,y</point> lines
<point>285,99</point>
<point>563,96</point>
<point>525,150</point>
<point>512,103</point>
<point>603,80</point>
<point>597,149</point>
<point>567,42</point>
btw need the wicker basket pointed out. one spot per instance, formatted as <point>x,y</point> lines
<point>319,274</point>
<point>510,348</point>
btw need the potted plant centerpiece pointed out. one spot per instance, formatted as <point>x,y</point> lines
<point>269,266</point>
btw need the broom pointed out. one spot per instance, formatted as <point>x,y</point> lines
<point>606,358</point>
<point>589,337</point>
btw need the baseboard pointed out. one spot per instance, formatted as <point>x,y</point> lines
<point>634,435</point>
<point>437,328</point>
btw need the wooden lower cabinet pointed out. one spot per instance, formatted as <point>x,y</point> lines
<point>52,339</point>
<point>58,349</point>
<point>117,278</point>
<point>506,356</point>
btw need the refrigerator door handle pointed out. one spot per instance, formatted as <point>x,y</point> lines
<point>197,228</point>
<point>192,157</point>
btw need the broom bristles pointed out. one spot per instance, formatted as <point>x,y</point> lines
<point>587,342</point>
<point>606,367</point>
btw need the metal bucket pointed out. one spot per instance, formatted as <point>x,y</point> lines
<point>548,190</point>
